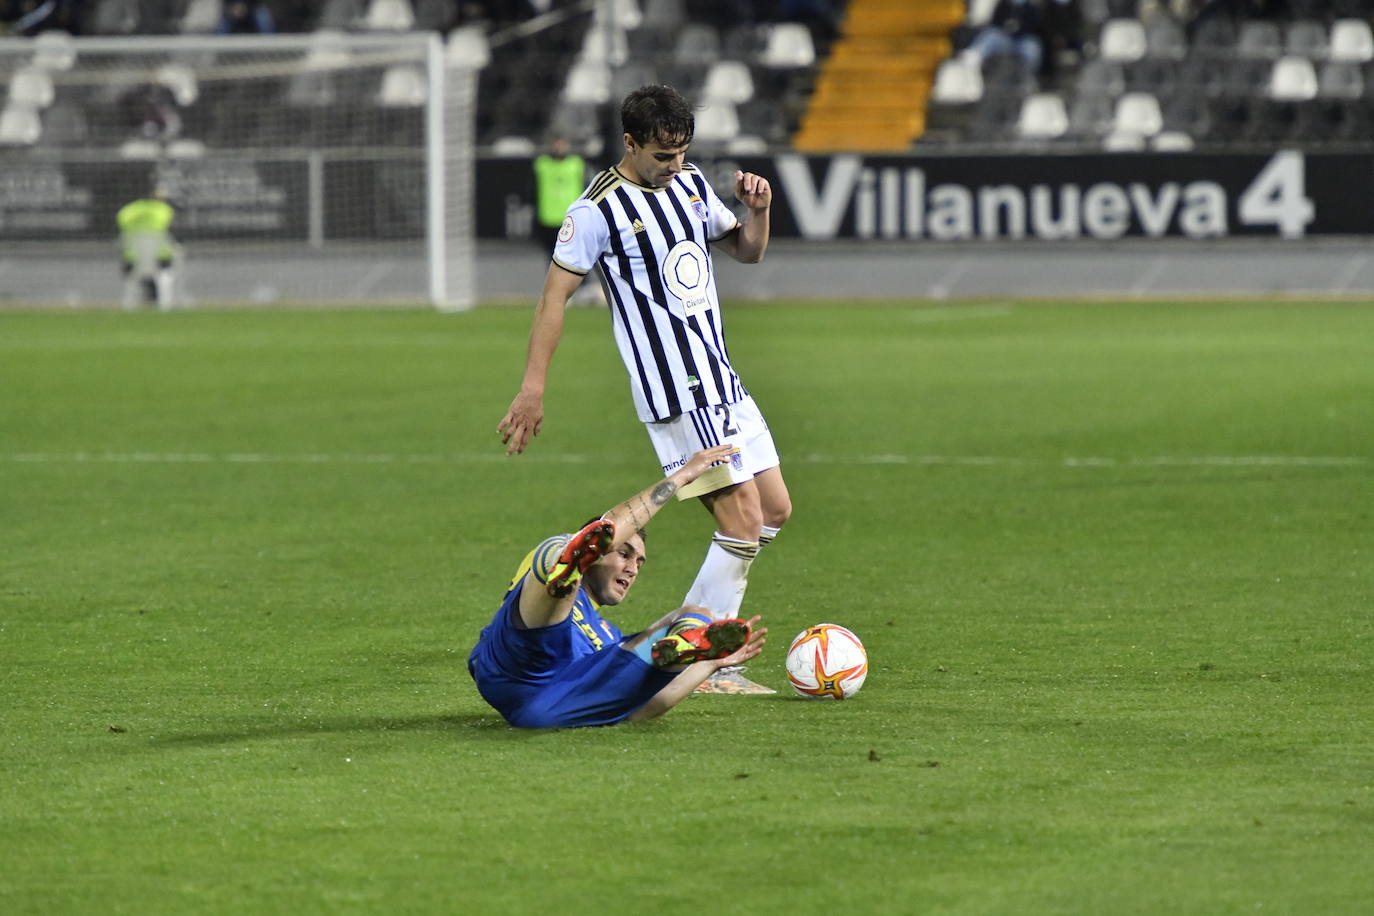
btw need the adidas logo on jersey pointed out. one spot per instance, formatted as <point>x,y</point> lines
<point>637,226</point>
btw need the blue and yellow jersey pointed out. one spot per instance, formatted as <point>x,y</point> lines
<point>538,654</point>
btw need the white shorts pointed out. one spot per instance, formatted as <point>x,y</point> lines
<point>741,424</point>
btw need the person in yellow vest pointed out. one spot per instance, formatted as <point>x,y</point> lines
<point>148,253</point>
<point>560,175</point>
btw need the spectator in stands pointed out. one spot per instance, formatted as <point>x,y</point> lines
<point>246,17</point>
<point>1013,29</point>
<point>1061,35</point>
<point>151,110</point>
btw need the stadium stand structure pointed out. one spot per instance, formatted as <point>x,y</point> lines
<point>873,86</point>
<point>898,75</point>
<point>1144,77</point>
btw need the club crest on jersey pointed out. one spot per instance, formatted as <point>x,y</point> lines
<point>698,206</point>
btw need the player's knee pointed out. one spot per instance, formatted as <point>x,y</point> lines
<point>777,514</point>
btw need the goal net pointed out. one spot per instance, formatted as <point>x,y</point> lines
<point>320,168</point>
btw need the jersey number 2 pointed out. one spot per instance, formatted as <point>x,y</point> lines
<point>727,426</point>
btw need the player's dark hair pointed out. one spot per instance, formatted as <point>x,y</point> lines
<point>658,113</point>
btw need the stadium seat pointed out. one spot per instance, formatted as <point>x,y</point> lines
<point>185,148</point>
<point>54,51</point>
<point>467,47</point>
<point>31,88</point>
<point>608,46</point>
<point>514,147</point>
<point>115,17</point>
<point>1100,77</point>
<point>1351,40</point>
<point>788,45</point>
<point>1155,75</point>
<point>625,13</point>
<point>1122,40</point>
<point>958,81</point>
<point>663,13</point>
<point>978,12</point>
<point>19,126</point>
<point>1214,35</point>
<point>995,118</point>
<point>630,77</point>
<point>201,17</point>
<point>1090,116</point>
<point>1305,39</point>
<point>1043,117</point>
<point>64,124</point>
<point>588,82</point>
<point>137,148</point>
<point>1294,79</point>
<point>403,86</point>
<point>1138,113</point>
<point>697,45</point>
<point>388,16</point>
<point>1164,38</point>
<point>340,15</point>
<point>1259,39</point>
<point>728,80</point>
<point>1340,79</point>
<point>181,80</point>
<point>717,122</point>
<point>1188,113</point>
<point>1171,141</point>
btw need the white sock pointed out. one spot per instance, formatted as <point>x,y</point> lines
<point>723,577</point>
<point>766,535</point>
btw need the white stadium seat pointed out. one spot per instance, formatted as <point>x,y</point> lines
<point>1293,79</point>
<point>789,45</point>
<point>31,88</point>
<point>1043,117</point>
<point>403,86</point>
<point>1351,39</point>
<point>1122,40</point>
<point>19,126</point>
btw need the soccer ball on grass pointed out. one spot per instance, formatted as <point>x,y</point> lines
<point>826,660</point>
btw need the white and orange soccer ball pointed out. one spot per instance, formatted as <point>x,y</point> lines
<point>826,660</point>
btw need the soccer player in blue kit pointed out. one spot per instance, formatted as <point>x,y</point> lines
<point>549,659</point>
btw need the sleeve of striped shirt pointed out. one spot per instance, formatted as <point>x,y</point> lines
<point>722,220</point>
<point>546,554</point>
<point>582,239</point>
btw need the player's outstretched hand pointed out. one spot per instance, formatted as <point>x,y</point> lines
<point>747,651</point>
<point>753,191</point>
<point>523,419</point>
<point>704,459</point>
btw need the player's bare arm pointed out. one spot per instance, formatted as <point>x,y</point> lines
<point>694,674</point>
<point>525,415</point>
<point>635,512</point>
<point>538,608</point>
<point>748,243</point>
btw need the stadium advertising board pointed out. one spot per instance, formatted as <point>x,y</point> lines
<point>1285,194</point>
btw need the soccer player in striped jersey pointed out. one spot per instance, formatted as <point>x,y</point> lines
<point>648,225</point>
<point>548,659</point>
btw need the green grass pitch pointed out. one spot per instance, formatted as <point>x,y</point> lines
<point>1112,562</point>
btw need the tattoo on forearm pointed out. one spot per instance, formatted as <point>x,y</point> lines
<point>663,492</point>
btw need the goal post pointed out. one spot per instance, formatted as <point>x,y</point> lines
<point>327,168</point>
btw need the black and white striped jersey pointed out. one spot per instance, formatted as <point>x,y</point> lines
<point>651,245</point>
